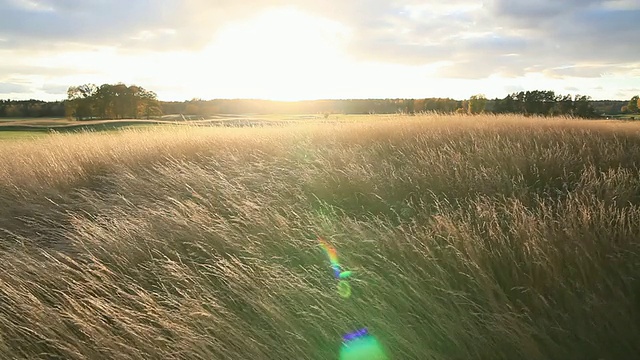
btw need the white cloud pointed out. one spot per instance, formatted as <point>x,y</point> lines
<point>33,5</point>
<point>350,48</point>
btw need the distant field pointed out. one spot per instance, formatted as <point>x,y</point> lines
<point>228,119</point>
<point>21,135</point>
<point>67,125</point>
<point>18,128</point>
<point>487,237</point>
<point>43,124</point>
<point>627,117</point>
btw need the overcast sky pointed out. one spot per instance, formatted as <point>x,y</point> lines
<point>309,49</point>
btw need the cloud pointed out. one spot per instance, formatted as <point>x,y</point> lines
<point>12,88</point>
<point>545,34</point>
<point>624,93</point>
<point>15,69</point>
<point>54,89</point>
<point>583,71</point>
<point>466,39</point>
<point>96,22</point>
<point>503,37</point>
<point>506,66</point>
<point>141,24</point>
<point>533,12</point>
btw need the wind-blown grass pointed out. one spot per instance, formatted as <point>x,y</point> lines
<point>470,238</point>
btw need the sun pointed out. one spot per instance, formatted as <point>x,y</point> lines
<point>280,54</point>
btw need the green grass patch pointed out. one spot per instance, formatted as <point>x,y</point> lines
<point>21,135</point>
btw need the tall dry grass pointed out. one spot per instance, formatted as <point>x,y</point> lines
<point>471,238</point>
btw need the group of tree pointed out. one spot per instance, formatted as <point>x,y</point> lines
<point>119,101</point>
<point>343,106</point>
<point>608,107</point>
<point>632,107</point>
<point>541,103</point>
<point>545,103</point>
<point>108,101</point>
<point>477,104</point>
<point>31,109</point>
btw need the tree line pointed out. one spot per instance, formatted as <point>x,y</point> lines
<point>119,101</point>
<point>31,109</point>
<point>345,106</point>
<point>536,102</point>
<point>545,103</point>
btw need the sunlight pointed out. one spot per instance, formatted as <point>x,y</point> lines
<point>281,54</point>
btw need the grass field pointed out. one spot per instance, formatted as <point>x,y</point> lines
<point>21,135</point>
<point>469,237</point>
<point>70,125</point>
<point>628,117</point>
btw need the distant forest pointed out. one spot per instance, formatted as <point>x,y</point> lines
<point>120,101</point>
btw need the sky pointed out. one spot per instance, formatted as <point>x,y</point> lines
<point>330,49</point>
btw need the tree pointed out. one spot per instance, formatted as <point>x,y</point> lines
<point>583,107</point>
<point>508,105</point>
<point>103,100</point>
<point>109,101</point>
<point>410,106</point>
<point>13,111</point>
<point>477,104</point>
<point>633,105</point>
<point>147,103</point>
<point>79,102</point>
<point>538,102</point>
<point>418,105</point>
<point>564,105</point>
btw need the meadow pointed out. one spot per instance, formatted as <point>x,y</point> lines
<point>470,237</point>
<point>19,126</point>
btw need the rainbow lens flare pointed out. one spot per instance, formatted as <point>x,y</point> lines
<point>344,288</point>
<point>332,253</point>
<point>357,345</point>
<point>360,345</point>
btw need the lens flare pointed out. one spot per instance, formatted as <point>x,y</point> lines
<point>344,289</point>
<point>360,345</point>
<point>332,253</point>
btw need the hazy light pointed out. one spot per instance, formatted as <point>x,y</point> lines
<point>281,54</point>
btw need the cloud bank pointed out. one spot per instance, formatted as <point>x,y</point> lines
<point>467,39</point>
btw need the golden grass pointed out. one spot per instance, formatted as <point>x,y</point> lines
<point>471,237</point>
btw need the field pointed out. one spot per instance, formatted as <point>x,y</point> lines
<point>21,135</point>
<point>19,126</point>
<point>625,117</point>
<point>486,237</point>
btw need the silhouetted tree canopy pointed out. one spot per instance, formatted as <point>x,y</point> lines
<point>632,106</point>
<point>31,109</point>
<point>545,103</point>
<point>108,101</point>
<point>119,101</point>
<point>477,104</point>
